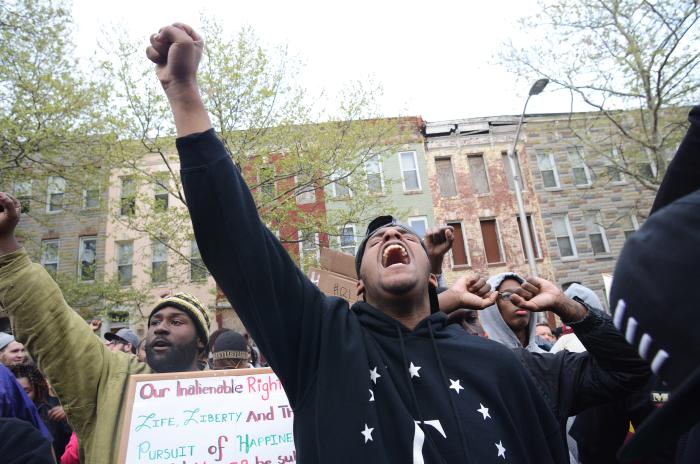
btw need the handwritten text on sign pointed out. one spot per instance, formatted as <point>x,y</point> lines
<point>230,417</point>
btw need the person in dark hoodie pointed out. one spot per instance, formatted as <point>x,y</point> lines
<point>385,382</point>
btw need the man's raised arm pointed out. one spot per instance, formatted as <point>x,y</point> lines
<point>280,307</point>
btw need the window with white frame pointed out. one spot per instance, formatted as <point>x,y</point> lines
<point>348,239</point>
<point>159,262</point>
<point>125,256</point>
<point>596,233</point>
<point>266,181</point>
<point>548,169</point>
<point>614,173</point>
<point>54,193</point>
<point>127,196</point>
<point>408,162</point>
<point>419,224</point>
<point>87,258</point>
<point>308,246</point>
<point>509,174</point>
<point>579,169</point>
<point>306,190</point>
<point>160,192</point>
<point>375,176</point>
<point>630,224</point>
<point>340,187</point>
<point>23,194</point>
<point>49,255</point>
<point>91,198</point>
<point>564,237</point>
<point>198,272</point>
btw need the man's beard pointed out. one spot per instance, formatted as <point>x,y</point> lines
<point>178,358</point>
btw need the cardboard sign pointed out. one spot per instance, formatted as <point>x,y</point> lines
<point>333,284</point>
<point>230,416</point>
<point>338,262</point>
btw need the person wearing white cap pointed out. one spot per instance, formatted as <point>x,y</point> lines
<point>11,351</point>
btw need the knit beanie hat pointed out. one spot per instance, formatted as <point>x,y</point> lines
<point>230,345</point>
<point>191,306</point>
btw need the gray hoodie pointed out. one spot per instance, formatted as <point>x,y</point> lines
<point>495,326</point>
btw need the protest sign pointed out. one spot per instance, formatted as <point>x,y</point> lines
<point>338,262</point>
<point>333,284</point>
<point>229,416</point>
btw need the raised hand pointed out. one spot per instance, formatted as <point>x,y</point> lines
<point>469,293</point>
<point>176,50</point>
<point>9,218</point>
<point>537,295</point>
<point>438,241</point>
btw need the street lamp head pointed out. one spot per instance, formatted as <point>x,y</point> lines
<point>538,86</point>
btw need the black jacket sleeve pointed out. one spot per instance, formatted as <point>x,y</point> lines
<point>683,173</point>
<point>279,306</point>
<point>572,382</point>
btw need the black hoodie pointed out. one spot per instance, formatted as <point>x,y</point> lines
<point>364,388</point>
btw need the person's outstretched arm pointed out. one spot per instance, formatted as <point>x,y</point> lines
<point>59,340</point>
<point>279,306</point>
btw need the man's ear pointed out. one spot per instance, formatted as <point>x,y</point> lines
<point>432,280</point>
<point>201,346</point>
<point>360,288</point>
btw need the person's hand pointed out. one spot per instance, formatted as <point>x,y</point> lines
<point>537,295</point>
<point>469,293</point>
<point>438,241</point>
<point>10,211</point>
<point>57,414</point>
<point>176,50</point>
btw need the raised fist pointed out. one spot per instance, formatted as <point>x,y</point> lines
<point>176,50</point>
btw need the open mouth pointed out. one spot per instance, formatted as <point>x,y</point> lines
<point>395,254</point>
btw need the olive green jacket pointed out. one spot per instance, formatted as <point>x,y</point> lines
<point>90,380</point>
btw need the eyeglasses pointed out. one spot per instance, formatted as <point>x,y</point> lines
<point>505,295</point>
<point>115,342</point>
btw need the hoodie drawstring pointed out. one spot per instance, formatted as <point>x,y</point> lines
<point>462,436</point>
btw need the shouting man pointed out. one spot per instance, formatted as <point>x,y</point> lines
<point>388,381</point>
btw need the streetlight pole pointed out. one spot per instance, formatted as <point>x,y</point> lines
<point>536,88</point>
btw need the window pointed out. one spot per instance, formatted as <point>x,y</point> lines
<point>55,192</point>
<point>492,241</point>
<point>614,173</point>
<point>160,193</point>
<point>565,239</point>
<point>266,181</point>
<point>596,233</point>
<point>645,169</point>
<point>579,170</point>
<point>375,177</point>
<point>533,237</point>
<point>348,240</point>
<point>49,255</point>
<point>306,190</point>
<point>23,193</point>
<point>419,224</point>
<point>127,202</point>
<point>308,246</point>
<point>341,185</point>
<point>477,170</point>
<point>630,224</point>
<point>159,262</point>
<point>125,254</point>
<point>459,254</point>
<point>509,174</point>
<point>198,270</point>
<point>409,171</point>
<point>446,177</point>
<point>87,258</point>
<point>548,169</point>
<point>91,198</point>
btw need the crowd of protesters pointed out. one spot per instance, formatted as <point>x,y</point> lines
<point>468,367</point>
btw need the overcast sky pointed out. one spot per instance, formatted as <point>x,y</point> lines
<point>433,59</point>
